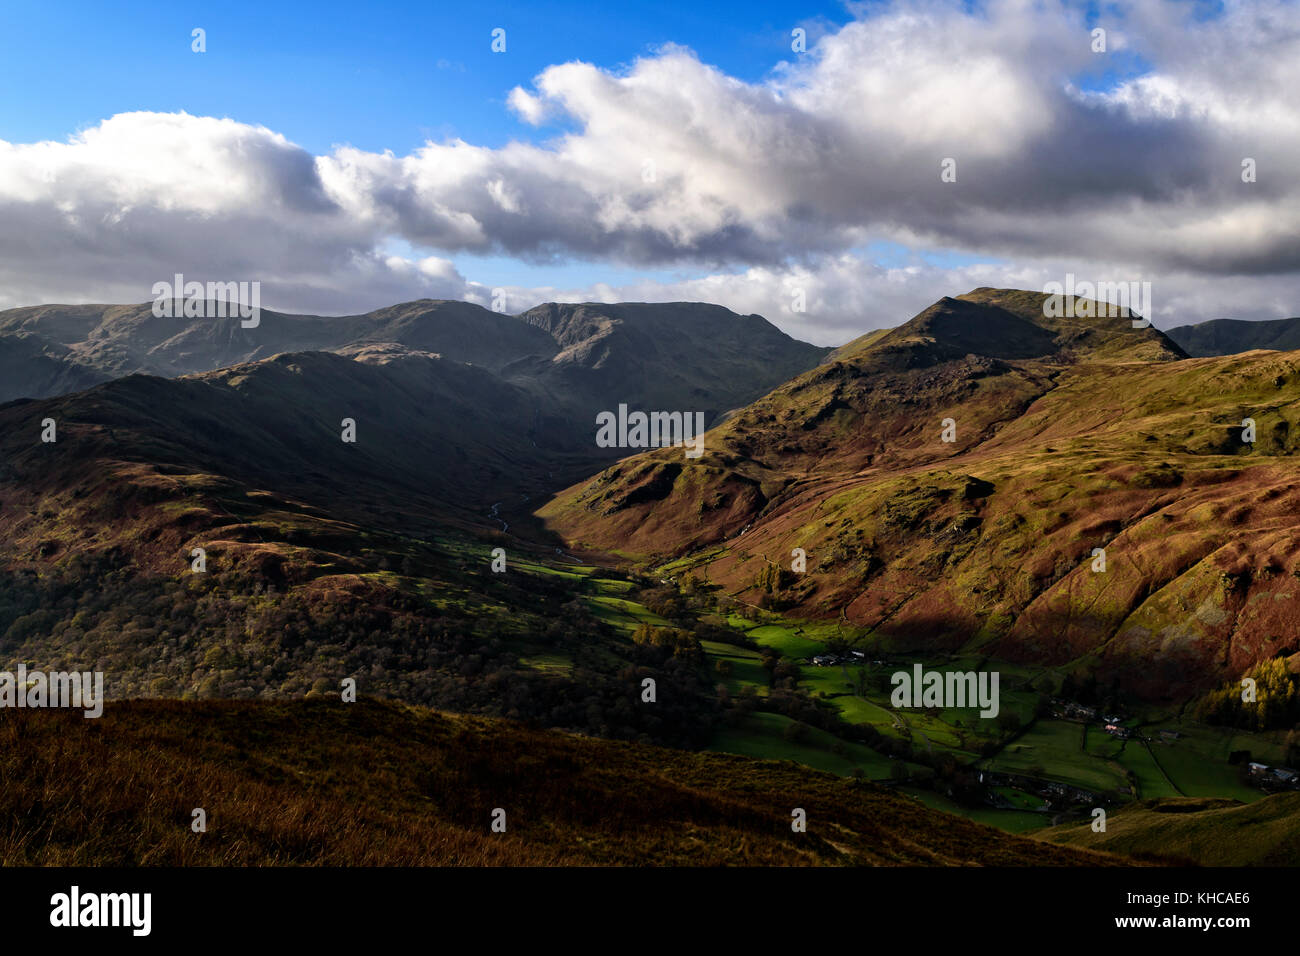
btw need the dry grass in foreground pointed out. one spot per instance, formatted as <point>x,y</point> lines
<point>325,783</point>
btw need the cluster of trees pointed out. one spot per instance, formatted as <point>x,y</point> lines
<point>773,578</point>
<point>230,635</point>
<point>672,642</point>
<point>1086,689</point>
<point>1276,705</point>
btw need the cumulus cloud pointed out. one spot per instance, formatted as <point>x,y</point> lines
<point>846,295</point>
<point>673,161</point>
<point>142,196</point>
<point>757,188</point>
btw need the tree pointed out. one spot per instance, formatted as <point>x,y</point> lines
<point>1008,722</point>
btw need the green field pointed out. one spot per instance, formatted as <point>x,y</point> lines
<point>764,735</point>
<point>1141,762</point>
<point>746,666</point>
<point>1102,744</point>
<point>1084,756</point>
<point>840,685</point>
<point>1022,800</point>
<point>1052,749</point>
<point>1198,761</point>
<point>621,612</point>
<point>786,639</point>
<point>1012,821</point>
<point>554,663</point>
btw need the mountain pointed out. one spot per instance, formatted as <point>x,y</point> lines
<point>676,356</point>
<point>216,534</point>
<point>575,360</point>
<point>1067,435</point>
<point>319,782</point>
<point>1204,832</point>
<point>1230,336</point>
<point>117,340</point>
<point>1013,324</point>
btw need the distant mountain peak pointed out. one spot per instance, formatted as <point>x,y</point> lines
<point>1015,324</point>
<point>1231,336</point>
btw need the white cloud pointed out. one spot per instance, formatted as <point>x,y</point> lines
<point>846,295</point>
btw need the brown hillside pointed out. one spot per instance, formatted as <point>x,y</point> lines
<point>1070,438</point>
<point>327,783</point>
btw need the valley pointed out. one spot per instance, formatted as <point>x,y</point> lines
<point>1090,527</point>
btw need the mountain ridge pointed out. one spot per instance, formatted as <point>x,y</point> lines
<point>82,345</point>
<point>1231,336</point>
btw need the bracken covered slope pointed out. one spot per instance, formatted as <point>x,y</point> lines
<point>1070,435</point>
<point>327,783</point>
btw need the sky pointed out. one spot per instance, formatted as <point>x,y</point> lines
<point>832,167</point>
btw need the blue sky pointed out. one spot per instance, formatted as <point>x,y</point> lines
<point>376,76</point>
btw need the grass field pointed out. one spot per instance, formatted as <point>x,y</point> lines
<point>1022,800</point>
<point>1052,749</point>
<point>1063,751</point>
<point>621,612</point>
<point>1211,832</point>
<point>840,685</point>
<point>1011,821</point>
<point>746,666</point>
<point>1197,761</point>
<point>554,663</point>
<point>763,735</point>
<point>1151,782</point>
<point>787,639</point>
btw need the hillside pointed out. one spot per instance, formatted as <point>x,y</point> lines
<point>322,558</point>
<point>376,560</point>
<point>1070,435</point>
<point>444,435</point>
<point>33,365</point>
<point>674,356</point>
<point>1230,336</point>
<point>1206,832</point>
<point>326,783</point>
